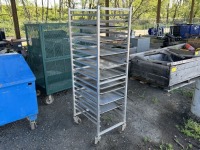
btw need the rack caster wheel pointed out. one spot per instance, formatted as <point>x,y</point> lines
<point>123,126</point>
<point>49,100</point>
<point>97,140</point>
<point>77,120</point>
<point>38,92</point>
<point>33,125</point>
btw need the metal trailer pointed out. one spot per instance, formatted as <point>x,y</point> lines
<point>155,67</point>
<point>18,98</point>
<point>49,57</point>
<point>100,65</point>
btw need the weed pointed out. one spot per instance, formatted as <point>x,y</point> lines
<point>155,100</point>
<point>191,129</point>
<point>185,92</point>
<point>146,139</point>
<point>189,147</point>
<point>177,126</point>
<point>166,146</point>
<point>107,118</point>
<point>142,96</point>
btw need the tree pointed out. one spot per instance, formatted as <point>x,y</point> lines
<point>60,9</point>
<point>177,4</point>
<point>47,12</point>
<point>42,10</point>
<point>36,10</point>
<point>191,12</point>
<point>26,11</point>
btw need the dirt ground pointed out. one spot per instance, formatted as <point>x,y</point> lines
<point>152,117</point>
<point>151,114</point>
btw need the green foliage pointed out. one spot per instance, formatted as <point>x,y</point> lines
<point>190,146</point>
<point>142,96</point>
<point>166,146</point>
<point>155,100</point>
<point>191,129</point>
<point>185,92</point>
<point>146,139</point>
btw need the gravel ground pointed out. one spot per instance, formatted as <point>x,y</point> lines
<point>151,113</point>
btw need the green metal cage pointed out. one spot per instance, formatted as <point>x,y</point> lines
<point>49,55</point>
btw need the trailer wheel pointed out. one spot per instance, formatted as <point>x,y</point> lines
<point>49,100</point>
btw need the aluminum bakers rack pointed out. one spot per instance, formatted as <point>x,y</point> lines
<point>99,43</point>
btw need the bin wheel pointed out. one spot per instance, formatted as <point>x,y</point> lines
<point>33,125</point>
<point>49,100</point>
<point>38,92</point>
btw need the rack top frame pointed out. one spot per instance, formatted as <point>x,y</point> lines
<point>102,8</point>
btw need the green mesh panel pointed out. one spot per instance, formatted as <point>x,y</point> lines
<point>54,55</point>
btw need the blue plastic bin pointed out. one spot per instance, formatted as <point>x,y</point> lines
<point>17,90</point>
<point>194,30</point>
<point>185,31</point>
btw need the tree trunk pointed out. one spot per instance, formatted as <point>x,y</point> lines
<point>8,5</point>
<point>0,6</point>
<point>60,5</point>
<point>158,12</point>
<point>69,3</point>
<point>192,12</point>
<point>26,11</point>
<point>196,12</point>
<point>84,5</point>
<point>176,8</point>
<point>36,10</point>
<point>141,3</point>
<point>55,8</point>
<point>42,10</point>
<point>130,3</point>
<point>62,9</point>
<point>15,19</point>
<point>47,13</point>
<point>167,20</point>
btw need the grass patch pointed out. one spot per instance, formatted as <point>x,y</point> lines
<point>155,100</point>
<point>190,146</point>
<point>185,92</point>
<point>142,96</point>
<point>146,139</point>
<point>166,146</point>
<point>191,129</point>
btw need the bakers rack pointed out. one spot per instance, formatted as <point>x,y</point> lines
<point>99,43</point>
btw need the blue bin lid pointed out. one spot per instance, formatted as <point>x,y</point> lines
<point>14,70</point>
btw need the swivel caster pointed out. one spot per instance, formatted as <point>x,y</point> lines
<point>123,126</point>
<point>33,125</point>
<point>97,139</point>
<point>77,120</point>
<point>49,100</point>
<point>38,92</point>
